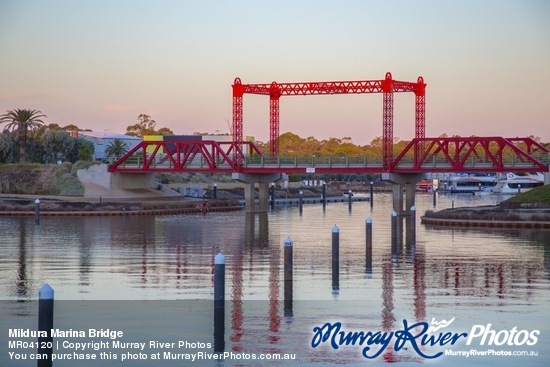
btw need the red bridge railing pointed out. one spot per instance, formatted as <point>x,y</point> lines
<point>474,154</point>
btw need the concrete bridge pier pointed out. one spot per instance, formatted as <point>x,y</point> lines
<point>403,188</point>
<point>262,180</point>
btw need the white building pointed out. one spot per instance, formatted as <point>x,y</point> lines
<point>102,139</point>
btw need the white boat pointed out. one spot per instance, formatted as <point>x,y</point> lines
<point>471,184</point>
<point>514,184</point>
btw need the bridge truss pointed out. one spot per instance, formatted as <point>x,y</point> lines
<point>474,154</point>
<point>387,86</point>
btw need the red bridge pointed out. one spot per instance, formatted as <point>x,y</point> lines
<point>476,154</point>
<point>457,154</point>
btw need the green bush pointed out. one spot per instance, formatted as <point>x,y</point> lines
<point>294,177</point>
<point>69,185</point>
<point>62,168</point>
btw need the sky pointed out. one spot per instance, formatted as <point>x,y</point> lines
<point>99,64</point>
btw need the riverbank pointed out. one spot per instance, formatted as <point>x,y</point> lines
<point>528,210</point>
<point>489,216</point>
<point>150,203</point>
<point>58,206</point>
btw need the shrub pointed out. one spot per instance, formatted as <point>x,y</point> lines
<point>294,177</point>
<point>63,168</point>
<point>69,185</point>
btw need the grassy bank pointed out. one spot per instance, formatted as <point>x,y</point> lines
<point>25,205</point>
<point>491,213</point>
<point>41,179</point>
<point>537,197</point>
<point>533,205</point>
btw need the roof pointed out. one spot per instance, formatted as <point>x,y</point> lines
<point>107,135</point>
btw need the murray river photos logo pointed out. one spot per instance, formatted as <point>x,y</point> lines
<point>420,337</point>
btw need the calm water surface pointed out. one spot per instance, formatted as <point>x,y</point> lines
<point>499,277</point>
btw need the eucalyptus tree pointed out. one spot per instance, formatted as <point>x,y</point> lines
<point>22,121</point>
<point>146,126</point>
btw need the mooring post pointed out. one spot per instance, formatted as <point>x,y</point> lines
<point>324,194</point>
<point>37,212</point>
<point>219,280</point>
<point>301,200</point>
<point>371,199</point>
<point>368,245</point>
<point>394,230</point>
<point>288,276</point>
<point>434,196</point>
<point>215,191</point>
<point>413,224</point>
<point>219,302</point>
<point>350,194</point>
<point>45,323</point>
<point>272,194</point>
<point>335,257</point>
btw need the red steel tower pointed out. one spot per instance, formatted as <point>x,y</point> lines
<point>387,86</point>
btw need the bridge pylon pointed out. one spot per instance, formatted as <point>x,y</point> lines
<point>404,189</point>
<point>250,180</point>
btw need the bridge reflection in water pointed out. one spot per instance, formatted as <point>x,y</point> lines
<point>427,274</point>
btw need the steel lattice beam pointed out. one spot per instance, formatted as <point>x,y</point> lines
<point>184,156</point>
<point>420,113</point>
<point>237,128</point>
<point>274,126</point>
<point>476,154</point>
<point>387,122</point>
<point>386,86</point>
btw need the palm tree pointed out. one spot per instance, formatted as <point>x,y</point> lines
<point>22,120</point>
<point>116,148</point>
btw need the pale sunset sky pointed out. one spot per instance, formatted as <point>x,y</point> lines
<point>99,64</point>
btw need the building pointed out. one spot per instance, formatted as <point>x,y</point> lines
<point>102,139</point>
<point>217,138</point>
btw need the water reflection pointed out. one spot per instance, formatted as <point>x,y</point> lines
<point>85,263</point>
<point>388,317</point>
<point>428,272</point>
<point>174,252</point>
<point>21,289</point>
<point>256,230</point>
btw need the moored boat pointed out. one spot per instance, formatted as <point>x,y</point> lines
<point>471,183</point>
<point>516,183</point>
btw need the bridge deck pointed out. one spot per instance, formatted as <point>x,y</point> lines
<point>421,155</point>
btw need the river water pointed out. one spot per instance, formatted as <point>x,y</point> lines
<point>152,277</point>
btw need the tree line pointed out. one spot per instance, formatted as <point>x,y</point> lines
<point>291,144</point>
<point>26,137</point>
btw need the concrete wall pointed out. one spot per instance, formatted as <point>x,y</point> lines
<point>100,176</point>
